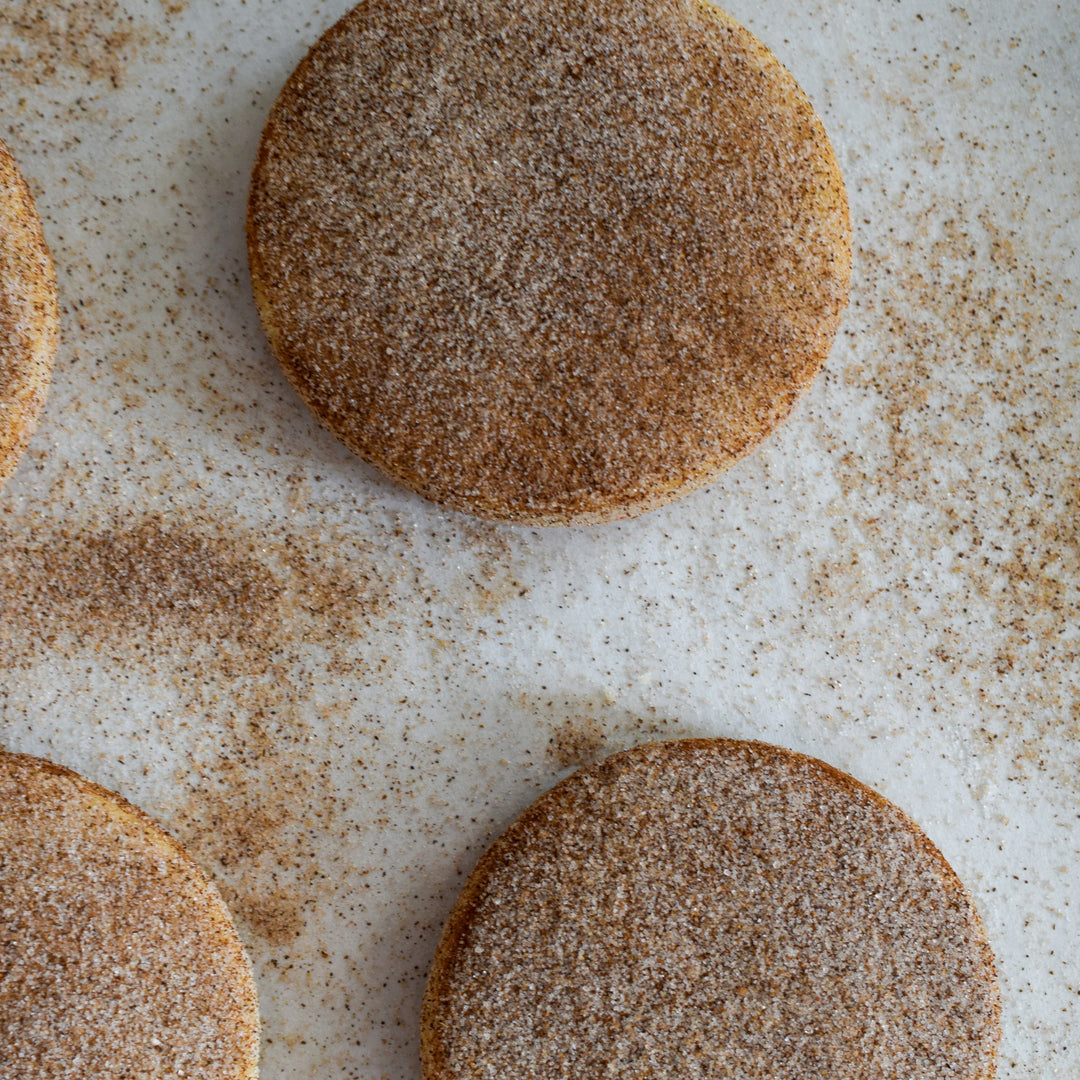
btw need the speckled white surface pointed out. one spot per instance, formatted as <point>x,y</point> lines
<point>336,694</point>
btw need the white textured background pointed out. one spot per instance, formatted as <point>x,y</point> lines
<point>336,694</point>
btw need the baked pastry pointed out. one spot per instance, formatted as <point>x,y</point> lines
<point>29,317</point>
<point>712,908</point>
<point>118,957</point>
<point>547,263</point>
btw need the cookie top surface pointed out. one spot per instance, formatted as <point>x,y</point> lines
<point>118,957</point>
<point>712,908</point>
<point>29,316</point>
<point>547,263</point>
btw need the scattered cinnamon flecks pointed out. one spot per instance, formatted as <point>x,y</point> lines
<point>593,728</point>
<point>245,651</point>
<point>90,39</point>
<point>247,817</point>
<point>963,497</point>
<point>577,742</point>
<point>221,617</point>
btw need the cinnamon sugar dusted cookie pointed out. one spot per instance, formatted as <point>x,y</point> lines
<point>712,908</point>
<point>29,317</point>
<point>547,262</point>
<point>117,955</point>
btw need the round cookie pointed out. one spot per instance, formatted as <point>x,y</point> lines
<point>29,317</point>
<point>118,957</point>
<point>547,263</point>
<point>712,908</point>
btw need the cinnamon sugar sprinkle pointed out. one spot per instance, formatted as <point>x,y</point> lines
<point>92,40</point>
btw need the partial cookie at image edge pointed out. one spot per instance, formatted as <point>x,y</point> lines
<point>29,315</point>
<point>712,904</point>
<point>122,956</point>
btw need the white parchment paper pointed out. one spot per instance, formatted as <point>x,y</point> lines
<point>336,694</point>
